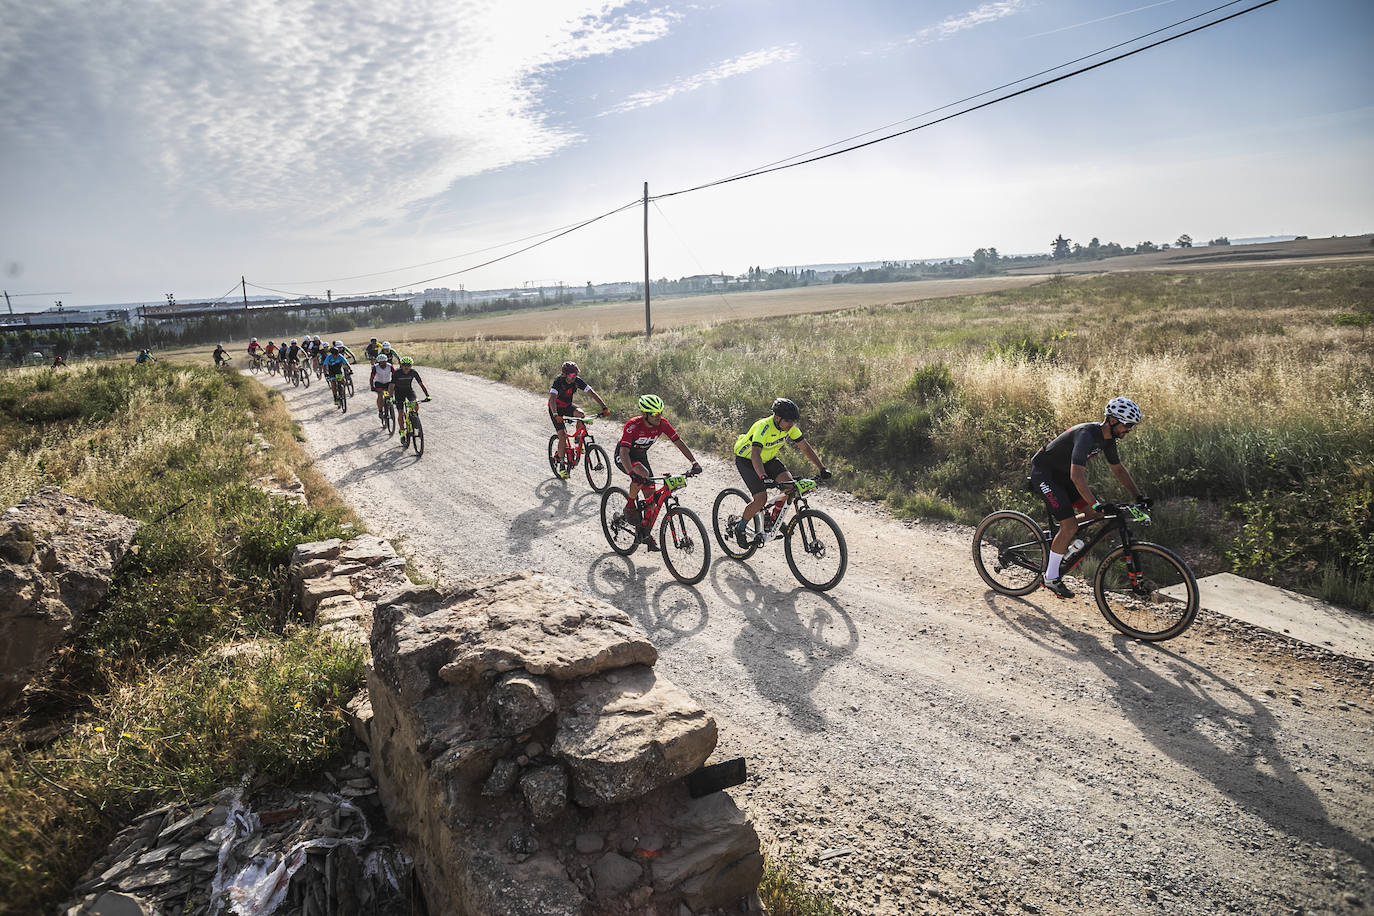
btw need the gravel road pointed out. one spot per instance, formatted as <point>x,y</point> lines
<point>916,743</point>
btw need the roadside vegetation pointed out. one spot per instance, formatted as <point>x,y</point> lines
<point>192,675</point>
<point>1256,391</point>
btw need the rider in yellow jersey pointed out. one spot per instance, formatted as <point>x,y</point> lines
<point>756,459</point>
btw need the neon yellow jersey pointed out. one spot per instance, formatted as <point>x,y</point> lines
<point>766,434</point>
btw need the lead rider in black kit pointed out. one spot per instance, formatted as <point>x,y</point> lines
<point>1059,473</point>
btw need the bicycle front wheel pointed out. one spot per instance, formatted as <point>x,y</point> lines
<point>417,436</point>
<point>686,549</point>
<point>1146,592</point>
<point>1010,552</point>
<point>620,534</point>
<point>816,550</point>
<point>597,465</point>
<point>305,378</point>
<point>554,456</point>
<point>728,509</point>
<point>389,417</point>
<point>343,396</point>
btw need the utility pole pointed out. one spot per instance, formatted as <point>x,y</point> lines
<point>648,324</point>
<point>7,302</point>
<point>244,284</point>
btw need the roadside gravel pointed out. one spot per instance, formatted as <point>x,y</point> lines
<point>917,744</point>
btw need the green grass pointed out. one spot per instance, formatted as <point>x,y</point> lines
<point>784,893</point>
<point>148,702</point>
<point>1255,399</point>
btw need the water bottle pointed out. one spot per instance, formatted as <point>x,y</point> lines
<point>773,514</point>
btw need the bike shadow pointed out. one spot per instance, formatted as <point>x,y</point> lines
<point>792,639</point>
<point>555,510</point>
<point>1198,719</point>
<point>672,612</point>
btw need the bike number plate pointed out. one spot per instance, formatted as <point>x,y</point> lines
<point>677,482</point>
<point>806,486</point>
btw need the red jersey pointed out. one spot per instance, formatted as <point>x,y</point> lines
<point>641,435</point>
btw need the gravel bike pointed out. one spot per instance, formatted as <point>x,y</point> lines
<point>582,444</point>
<point>412,433</point>
<point>1144,590</point>
<point>681,534</point>
<point>812,540</point>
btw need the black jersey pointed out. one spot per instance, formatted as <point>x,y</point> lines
<point>563,390</point>
<point>404,380</point>
<point>1076,445</point>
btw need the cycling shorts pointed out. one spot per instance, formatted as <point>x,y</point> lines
<point>561,411</point>
<point>380,386</point>
<point>637,456</point>
<point>1058,492</point>
<point>334,370</point>
<point>772,467</point>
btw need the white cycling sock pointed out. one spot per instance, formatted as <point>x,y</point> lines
<point>1052,571</point>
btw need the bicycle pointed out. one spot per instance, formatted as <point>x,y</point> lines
<point>1143,590</point>
<point>272,367</point>
<point>388,413</point>
<point>681,535</point>
<point>348,380</point>
<point>302,376</point>
<point>598,463</point>
<point>340,390</point>
<point>412,433</point>
<point>812,541</point>
<point>255,364</point>
<point>317,365</point>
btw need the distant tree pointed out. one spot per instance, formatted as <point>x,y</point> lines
<point>1185,241</point>
<point>1164,247</point>
<point>1223,240</point>
<point>451,310</point>
<point>1061,248</point>
<point>432,308</point>
<point>1094,245</point>
<point>590,293</point>
<point>1146,246</point>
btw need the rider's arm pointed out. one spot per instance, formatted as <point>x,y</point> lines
<point>686,452</point>
<point>810,453</point>
<point>592,392</point>
<point>552,397</point>
<point>1124,476</point>
<point>755,451</point>
<point>1078,473</point>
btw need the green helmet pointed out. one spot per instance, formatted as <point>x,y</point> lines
<point>651,403</point>
<point>407,361</point>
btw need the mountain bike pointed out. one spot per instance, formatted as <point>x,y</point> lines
<point>412,433</point>
<point>255,364</point>
<point>299,374</point>
<point>681,535</point>
<point>348,380</point>
<point>340,390</point>
<point>317,365</point>
<point>583,443</point>
<point>1144,590</point>
<point>388,416</point>
<point>272,367</point>
<point>812,540</point>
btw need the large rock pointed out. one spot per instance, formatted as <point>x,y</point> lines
<point>716,859</point>
<point>627,733</point>
<point>57,559</point>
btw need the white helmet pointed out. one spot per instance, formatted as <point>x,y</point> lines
<point>1125,410</point>
<point>294,340</point>
<point>338,343</point>
<point>386,345</point>
<point>254,340</point>
<point>317,337</point>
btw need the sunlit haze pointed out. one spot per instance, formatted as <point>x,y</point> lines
<point>155,147</point>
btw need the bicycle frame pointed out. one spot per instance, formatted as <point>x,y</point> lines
<point>409,413</point>
<point>578,440</point>
<point>1105,527</point>
<point>795,492</point>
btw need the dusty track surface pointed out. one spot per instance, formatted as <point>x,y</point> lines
<point>916,743</point>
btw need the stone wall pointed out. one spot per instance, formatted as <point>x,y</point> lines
<point>57,559</point>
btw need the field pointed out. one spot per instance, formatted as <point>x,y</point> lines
<point>1254,396</point>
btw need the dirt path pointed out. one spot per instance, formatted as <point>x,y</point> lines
<point>917,744</point>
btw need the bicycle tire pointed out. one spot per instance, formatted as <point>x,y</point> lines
<point>596,464</point>
<point>305,378</point>
<point>1142,608</point>
<point>1010,552</point>
<point>681,534</point>
<point>553,455</point>
<point>342,396</point>
<point>620,534</point>
<point>417,437</point>
<point>389,417</point>
<point>351,390</point>
<point>816,545</point>
<point>723,523</point>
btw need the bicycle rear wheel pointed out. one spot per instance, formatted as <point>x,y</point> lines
<point>1010,552</point>
<point>349,384</point>
<point>686,549</point>
<point>816,550</point>
<point>417,436</point>
<point>620,534</point>
<point>597,465</point>
<point>555,458</point>
<point>1146,592</point>
<point>728,508</point>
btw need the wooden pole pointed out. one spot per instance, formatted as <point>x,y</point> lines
<point>648,324</point>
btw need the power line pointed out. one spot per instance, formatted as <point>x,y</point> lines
<point>1011,95</point>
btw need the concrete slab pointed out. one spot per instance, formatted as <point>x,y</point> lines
<point>1297,616</point>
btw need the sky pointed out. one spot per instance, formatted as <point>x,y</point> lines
<point>155,146</point>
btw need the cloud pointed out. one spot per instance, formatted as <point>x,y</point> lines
<point>754,60</point>
<point>333,113</point>
<point>948,28</point>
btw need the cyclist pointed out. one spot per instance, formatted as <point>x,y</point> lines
<point>390,353</point>
<point>334,364</point>
<point>254,348</point>
<point>632,454</point>
<point>221,356</point>
<point>270,351</point>
<point>403,382</point>
<point>565,385</point>
<point>756,459</point>
<point>316,352</point>
<point>349,357</point>
<point>380,379</point>
<point>145,356</point>
<point>371,350</point>
<point>292,354</point>
<point>58,362</point>
<point>1059,473</point>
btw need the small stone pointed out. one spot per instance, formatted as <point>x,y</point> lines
<point>614,875</point>
<point>588,843</point>
<point>502,778</point>
<point>523,842</point>
<point>1353,899</point>
<point>533,749</point>
<point>546,792</point>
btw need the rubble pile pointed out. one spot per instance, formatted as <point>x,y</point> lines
<point>535,761</point>
<point>307,853</point>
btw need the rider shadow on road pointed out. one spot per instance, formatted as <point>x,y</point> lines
<point>1200,720</point>
<point>792,639</point>
<point>673,612</point>
<point>555,511</point>
<point>387,461</point>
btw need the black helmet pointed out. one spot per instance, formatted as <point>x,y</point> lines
<point>786,409</point>
<point>570,366</point>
